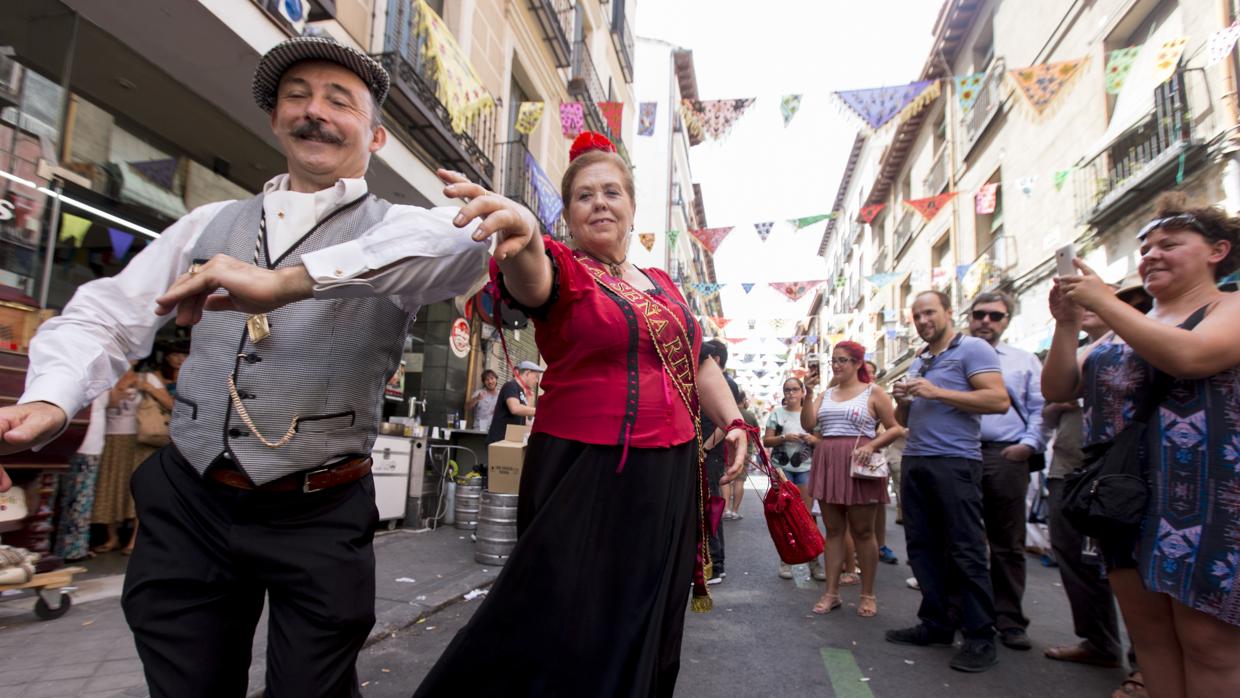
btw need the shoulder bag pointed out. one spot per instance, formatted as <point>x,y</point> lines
<point>152,422</point>
<point>792,528</point>
<point>875,467</point>
<point>1106,498</point>
<point>1037,459</point>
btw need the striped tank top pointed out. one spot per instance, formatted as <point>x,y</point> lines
<point>848,418</point>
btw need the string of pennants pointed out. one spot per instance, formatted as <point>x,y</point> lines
<point>73,229</point>
<point>877,108</point>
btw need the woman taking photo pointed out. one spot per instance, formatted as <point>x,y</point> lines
<point>610,518</point>
<point>846,417</point>
<point>792,449</point>
<point>1175,580</point>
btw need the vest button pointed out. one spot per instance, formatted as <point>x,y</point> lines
<point>252,358</point>
<point>237,433</point>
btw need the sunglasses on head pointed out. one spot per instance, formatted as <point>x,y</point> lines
<point>994,315</point>
<point>1183,220</point>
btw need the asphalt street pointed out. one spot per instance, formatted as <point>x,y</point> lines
<point>762,639</point>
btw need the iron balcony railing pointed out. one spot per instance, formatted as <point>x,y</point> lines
<point>936,179</point>
<point>423,118</point>
<point>586,85</point>
<point>989,97</point>
<point>904,231</point>
<point>622,39</point>
<point>557,19</point>
<point>1151,150</point>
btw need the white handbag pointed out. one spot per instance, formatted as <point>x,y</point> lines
<point>13,504</point>
<point>875,468</point>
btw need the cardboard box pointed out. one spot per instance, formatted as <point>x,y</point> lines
<point>517,432</point>
<point>504,462</point>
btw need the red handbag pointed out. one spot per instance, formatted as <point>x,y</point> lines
<point>792,528</point>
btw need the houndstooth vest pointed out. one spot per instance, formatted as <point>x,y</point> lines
<point>325,363</point>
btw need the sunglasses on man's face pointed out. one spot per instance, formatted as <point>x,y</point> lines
<point>994,315</point>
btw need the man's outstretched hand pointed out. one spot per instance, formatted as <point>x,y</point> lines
<point>25,426</point>
<point>250,289</point>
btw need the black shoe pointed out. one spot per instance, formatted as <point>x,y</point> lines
<point>920,635</point>
<point>975,656</point>
<point>1015,639</point>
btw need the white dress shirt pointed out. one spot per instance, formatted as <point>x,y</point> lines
<point>415,255</point>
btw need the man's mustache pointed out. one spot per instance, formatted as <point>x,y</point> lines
<point>314,130</point>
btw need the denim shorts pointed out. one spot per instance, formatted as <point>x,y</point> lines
<point>800,479</point>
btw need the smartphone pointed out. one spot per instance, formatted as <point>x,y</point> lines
<point>812,362</point>
<point>1064,257</point>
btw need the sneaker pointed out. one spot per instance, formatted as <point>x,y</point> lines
<point>921,635</point>
<point>728,516</point>
<point>785,571</point>
<point>976,655</point>
<point>715,579</point>
<point>1015,639</point>
<point>913,583</point>
<point>887,555</point>
<point>816,571</point>
<point>737,516</point>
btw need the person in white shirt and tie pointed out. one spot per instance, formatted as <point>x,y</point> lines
<point>266,490</point>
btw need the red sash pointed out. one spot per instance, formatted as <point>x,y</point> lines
<point>675,350</point>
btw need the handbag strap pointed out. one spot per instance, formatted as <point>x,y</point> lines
<point>1160,386</point>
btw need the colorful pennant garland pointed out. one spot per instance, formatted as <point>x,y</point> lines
<point>1168,58</point>
<point>868,213</point>
<point>162,172</point>
<point>884,279</point>
<point>1221,44</point>
<point>73,228</point>
<point>613,114</point>
<point>795,290</point>
<point>671,237</point>
<point>121,242</point>
<point>799,223</point>
<point>528,116</point>
<point>930,206</point>
<point>1061,177</point>
<point>710,237</point>
<point>1041,84</point>
<point>763,229</point>
<point>457,85</point>
<point>720,322</point>
<point>572,118</point>
<point>788,107</point>
<point>713,118</point>
<point>967,89</point>
<point>986,199</point>
<point>646,118</point>
<point>878,106</point>
<point>1119,65</point>
<point>647,240</point>
<point>747,287</point>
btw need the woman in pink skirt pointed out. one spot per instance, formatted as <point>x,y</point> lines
<point>847,416</point>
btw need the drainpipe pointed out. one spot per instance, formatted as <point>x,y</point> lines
<point>1231,145</point>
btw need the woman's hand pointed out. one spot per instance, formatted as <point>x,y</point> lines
<point>812,380</point>
<point>862,453</point>
<point>513,225</point>
<point>1086,290</point>
<point>737,441</point>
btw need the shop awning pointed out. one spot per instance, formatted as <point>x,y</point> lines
<point>135,189</point>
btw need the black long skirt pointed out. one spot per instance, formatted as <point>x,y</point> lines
<point>592,600</point>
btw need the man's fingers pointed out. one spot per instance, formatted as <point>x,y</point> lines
<point>217,302</point>
<point>450,177</point>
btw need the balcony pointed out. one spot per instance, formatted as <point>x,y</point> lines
<point>1143,161</point>
<point>622,39</point>
<point>989,99</point>
<point>586,85</point>
<point>417,115</point>
<point>880,261</point>
<point>936,180</point>
<point>905,229</point>
<point>556,19</point>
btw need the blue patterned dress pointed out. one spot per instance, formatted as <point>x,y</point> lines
<point>1190,539</point>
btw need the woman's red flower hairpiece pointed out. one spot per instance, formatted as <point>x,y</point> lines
<point>587,141</point>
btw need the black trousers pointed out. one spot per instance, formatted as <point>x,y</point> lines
<point>207,554</point>
<point>1089,594</point>
<point>947,543</point>
<point>715,467</point>
<point>1004,485</point>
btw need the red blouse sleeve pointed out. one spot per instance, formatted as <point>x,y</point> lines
<point>569,280</point>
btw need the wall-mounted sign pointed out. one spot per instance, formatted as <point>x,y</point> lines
<point>459,338</point>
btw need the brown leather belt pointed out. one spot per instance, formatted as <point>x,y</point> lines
<point>315,480</point>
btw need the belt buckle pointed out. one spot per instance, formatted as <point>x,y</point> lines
<point>305,485</point>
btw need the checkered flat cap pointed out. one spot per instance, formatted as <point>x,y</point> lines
<point>308,48</point>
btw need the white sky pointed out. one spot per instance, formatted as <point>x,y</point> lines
<point>764,171</point>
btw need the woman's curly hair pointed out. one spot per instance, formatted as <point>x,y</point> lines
<point>1217,225</point>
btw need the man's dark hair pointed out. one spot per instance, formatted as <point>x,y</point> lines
<point>489,372</point>
<point>995,297</point>
<point>715,349</point>
<point>944,299</point>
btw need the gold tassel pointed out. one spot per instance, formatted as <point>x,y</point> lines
<point>708,568</point>
<point>702,604</point>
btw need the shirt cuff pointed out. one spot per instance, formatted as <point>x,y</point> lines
<point>336,271</point>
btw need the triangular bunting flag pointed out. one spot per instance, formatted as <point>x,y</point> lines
<point>550,205</point>
<point>1062,176</point>
<point>647,240</point>
<point>121,242</point>
<point>735,340</point>
<point>1168,59</point>
<point>720,322</point>
<point>1221,44</point>
<point>161,172</point>
<point>967,89</point>
<point>528,116</point>
<point>986,199</point>
<point>799,223</point>
<point>788,106</point>
<point>1041,84</point>
<point>930,206</point>
<point>73,228</point>
<point>671,237</point>
<point>811,339</point>
<point>713,118</point>
<point>940,277</point>
<point>572,118</point>
<point>795,290</point>
<point>613,114</point>
<point>878,106</point>
<point>869,212</point>
<point>884,279</point>
<point>747,288</point>
<point>710,237</point>
<point>763,229</point>
<point>1119,64</point>
<point>645,118</point>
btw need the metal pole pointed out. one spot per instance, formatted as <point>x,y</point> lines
<point>53,230</point>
